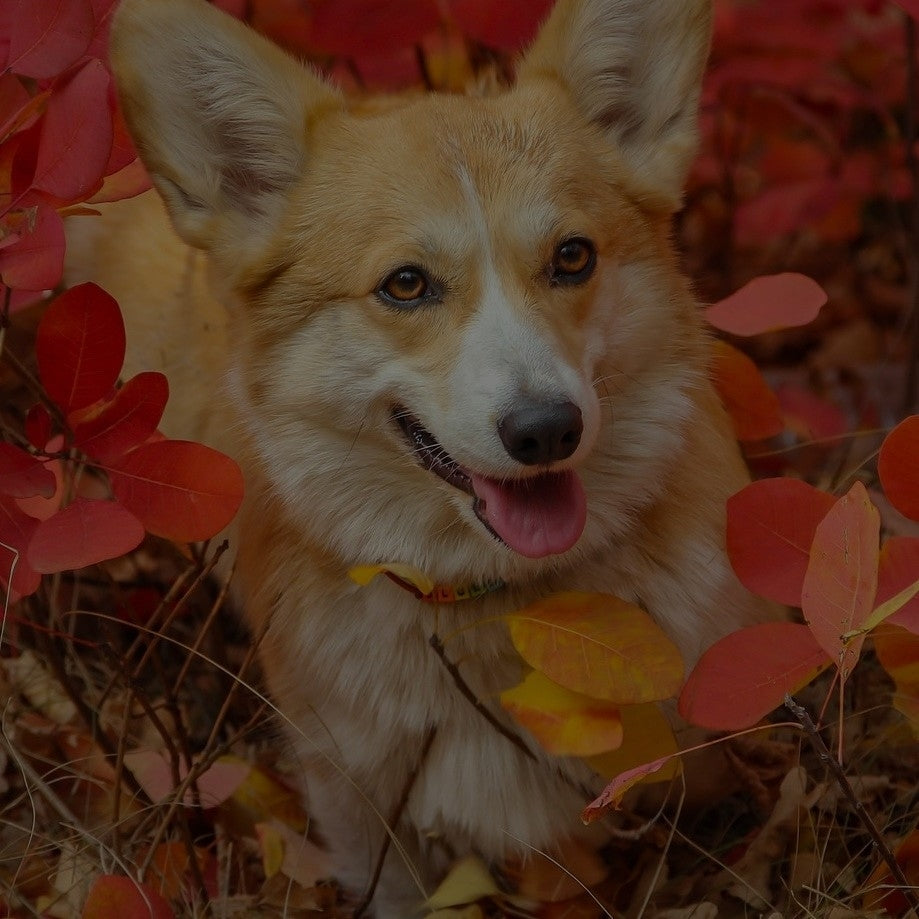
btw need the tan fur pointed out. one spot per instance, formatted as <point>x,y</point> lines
<point>303,201</point>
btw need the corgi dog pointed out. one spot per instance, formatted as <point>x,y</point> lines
<point>443,331</point>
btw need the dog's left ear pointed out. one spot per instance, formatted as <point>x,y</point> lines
<point>634,69</point>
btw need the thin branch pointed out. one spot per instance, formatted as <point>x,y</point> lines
<point>393,822</point>
<point>476,703</point>
<point>842,781</point>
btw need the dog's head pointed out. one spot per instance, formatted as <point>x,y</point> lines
<point>459,338</point>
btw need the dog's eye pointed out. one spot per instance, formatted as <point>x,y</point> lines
<point>406,286</point>
<point>574,261</point>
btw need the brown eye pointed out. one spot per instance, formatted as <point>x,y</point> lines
<point>574,261</point>
<point>405,287</point>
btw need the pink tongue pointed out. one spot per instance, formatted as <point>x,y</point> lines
<point>535,517</point>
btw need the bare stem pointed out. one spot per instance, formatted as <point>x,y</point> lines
<point>476,703</point>
<point>394,818</point>
<point>842,780</point>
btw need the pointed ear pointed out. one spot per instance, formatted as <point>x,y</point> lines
<point>634,68</point>
<point>218,114</point>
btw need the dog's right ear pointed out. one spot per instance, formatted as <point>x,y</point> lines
<point>218,114</point>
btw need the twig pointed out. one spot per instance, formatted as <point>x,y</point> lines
<point>393,821</point>
<point>838,773</point>
<point>476,703</point>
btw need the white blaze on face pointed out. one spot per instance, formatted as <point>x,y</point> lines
<point>505,360</point>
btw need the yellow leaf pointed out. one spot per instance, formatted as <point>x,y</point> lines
<point>648,737</point>
<point>364,574</point>
<point>259,798</point>
<point>598,645</point>
<point>467,881</point>
<point>272,846</point>
<point>565,723</point>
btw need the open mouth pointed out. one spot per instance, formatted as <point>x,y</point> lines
<point>536,516</point>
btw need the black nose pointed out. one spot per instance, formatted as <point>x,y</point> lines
<point>536,433</point>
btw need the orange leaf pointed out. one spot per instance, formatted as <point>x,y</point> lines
<point>770,528</point>
<point>841,579</point>
<point>752,405</point>
<point>598,645</point>
<point>179,490</point>
<point>778,301</point>
<point>112,895</point>
<point>565,723</point>
<point>745,675</point>
<point>897,467</point>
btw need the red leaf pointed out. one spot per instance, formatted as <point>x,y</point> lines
<point>810,416</point>
<point>22,475</point>
<point>80,347</point>
<point>770,528</point>
<point>85,532</point>
<point>356,27</point>
<point>505,26</point>
<point>18,110</point>
<point>35,261</point>
<point>752,405</point>
<point>76,137</point>
<point>126,183</point>
<point>842,576</point>
<point>911,7</point>
<point>46,37</point>
<point>777,301</point>
<point>897,569</point>
<point>746,674</point>
<point>898,469</point>
<point>126,421</point>
<point>16,529</point>
<point>179,490</point>
<point>38,426</point>
<point>112,895</point>
<point>612,795</point>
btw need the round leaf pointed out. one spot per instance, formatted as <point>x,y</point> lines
<point>777,301</point>
<point>23,475</point>
<point>76,136</point>
<point>565,723</point>
<point>125,422</point>
<point>179,490</point>
<point>112,895</point>
<point>598,645</point>
<point>80,347</point>
<point>897,569</point>
<point>753,407</point>
<point>745,675</point>
<point>85,532</point>
<point>770,528</point>
<point>897,467</point>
